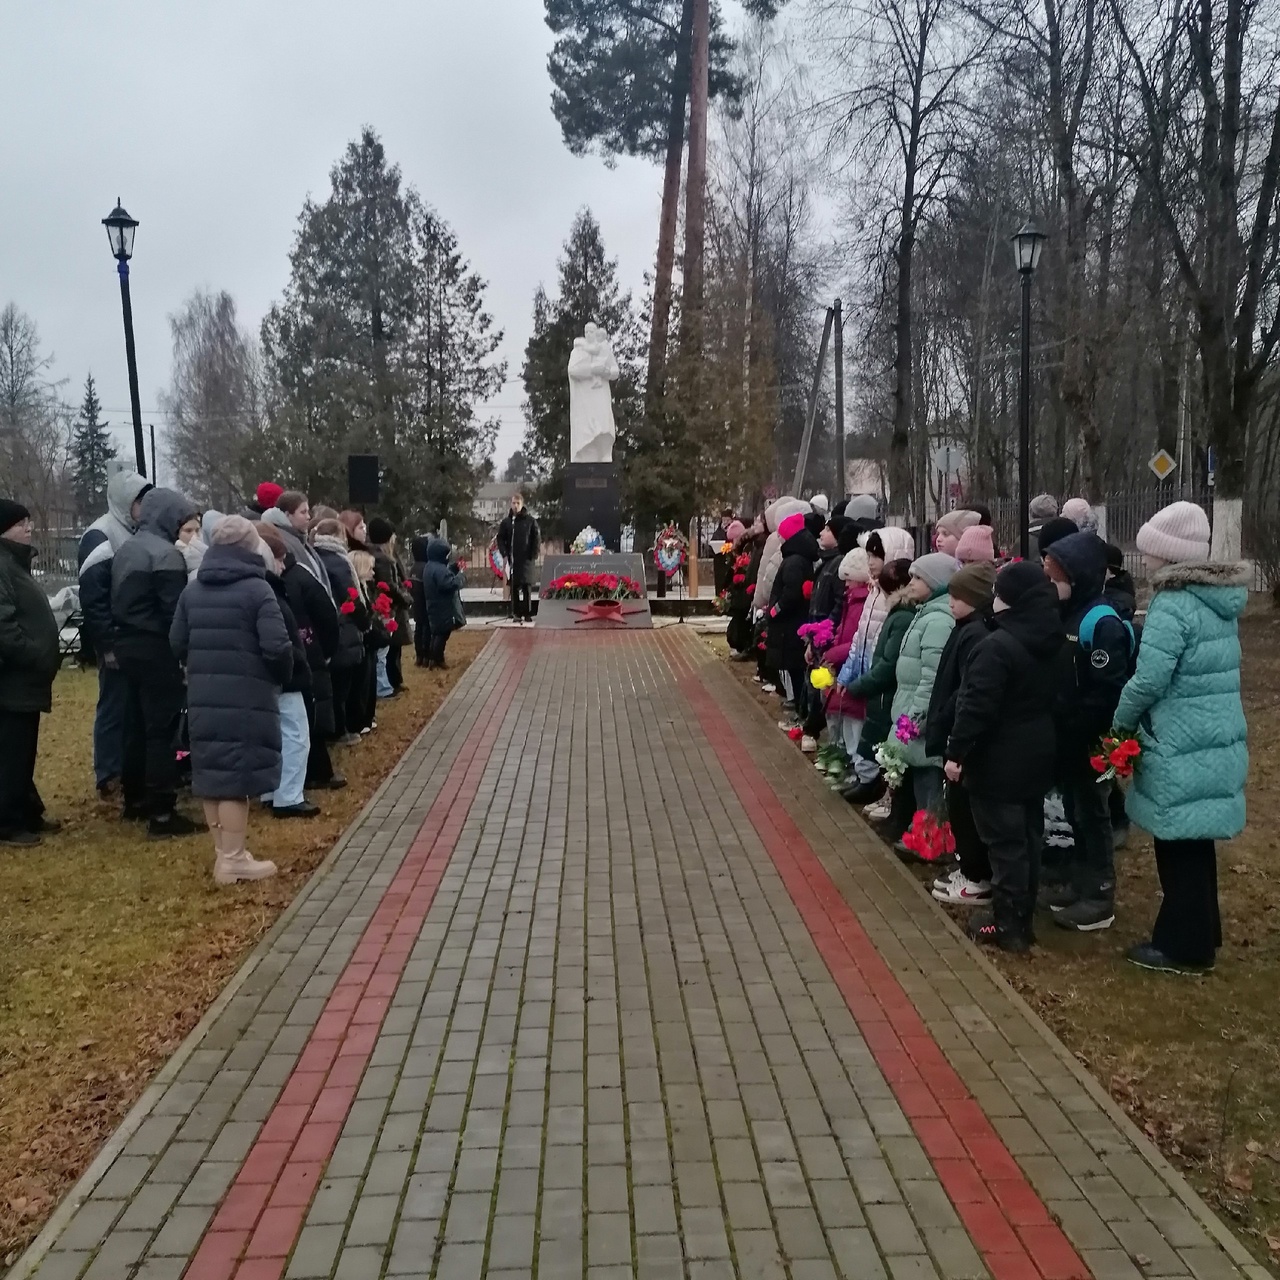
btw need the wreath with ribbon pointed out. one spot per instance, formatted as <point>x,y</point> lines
<point>588,543</point>
<point>670,550</point>
<point>497,562</point>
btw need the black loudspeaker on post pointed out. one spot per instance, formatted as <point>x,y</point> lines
<point>364,488</point>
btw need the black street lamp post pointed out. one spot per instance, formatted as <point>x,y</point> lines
<point>120,228</point>
<point>1027,243</point>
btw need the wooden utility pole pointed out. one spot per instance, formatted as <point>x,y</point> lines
<point>696,182</point>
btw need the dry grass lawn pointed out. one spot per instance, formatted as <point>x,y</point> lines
<point>112,947</point>
<point>1196,1063</point>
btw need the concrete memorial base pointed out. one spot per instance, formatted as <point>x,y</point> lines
<point>589,615</point>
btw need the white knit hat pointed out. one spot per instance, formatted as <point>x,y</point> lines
<point>1179,531</point>
<point>820,502</point>
<point>854,567</point>
<point>1080,513</point>
<point>897,542</point>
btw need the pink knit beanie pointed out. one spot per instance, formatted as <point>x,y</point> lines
<point>1080,513</point>
<point>1179,531</point>
<point>735,530</point>
<point>976,544</point>
<point>790,526</point>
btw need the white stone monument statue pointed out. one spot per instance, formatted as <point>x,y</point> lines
<point>592,367</point>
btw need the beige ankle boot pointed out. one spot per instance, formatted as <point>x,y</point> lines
<point>235,865</point>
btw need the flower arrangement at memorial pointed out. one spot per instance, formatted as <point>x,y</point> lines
<point>670,551</point>
<point>497,561</point>
<point>593,586</point>
<point>1115,758</point>
<point>588,543</point>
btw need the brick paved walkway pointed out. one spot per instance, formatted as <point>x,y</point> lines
<point>605,983</point>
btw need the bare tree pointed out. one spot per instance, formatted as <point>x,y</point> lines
<point>214,401</point>
<point>34,421</point>
<point>1206,76</point>
<point>900,70</point>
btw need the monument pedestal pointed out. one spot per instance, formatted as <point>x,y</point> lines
<point>592,497</point>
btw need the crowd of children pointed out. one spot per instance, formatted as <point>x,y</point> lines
<point>960,699</point>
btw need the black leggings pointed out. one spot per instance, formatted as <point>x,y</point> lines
<point>1189,926</point>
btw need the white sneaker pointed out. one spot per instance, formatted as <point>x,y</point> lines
<point>943,881</point>
<point>768,688</point>
<point>758,679</point>
<point>963,892</point>
<point>876,812</point>
<point>787,725</point>
<point>808,745</point>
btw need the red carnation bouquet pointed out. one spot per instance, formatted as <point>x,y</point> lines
<point>1115,758</point>
<point>929,839</point>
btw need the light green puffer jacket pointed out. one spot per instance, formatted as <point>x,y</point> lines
<point>922,648</point>
<point>1184,703</point>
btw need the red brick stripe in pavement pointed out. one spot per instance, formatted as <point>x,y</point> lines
<point>260,1218</point>
<point>1007,1221</point>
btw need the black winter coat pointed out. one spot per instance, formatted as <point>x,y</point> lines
<point>299,680</point>
<point>520,542</point>
<point>421,627</point>
<point>1090,680</point>
<point>231,635</point>
<point>789,603</point>
<point>1121,594</point>
<point>1003,735</point>
<point>387,569</point>
<point>317,619</point>
<point>441,581</point>
<point>965,636</point>
<point>827,600</point>
<point>352,622</point>
<point>29,657</point>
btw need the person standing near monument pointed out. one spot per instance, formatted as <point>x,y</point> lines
<point>519,543</point>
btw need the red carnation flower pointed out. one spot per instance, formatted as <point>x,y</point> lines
<point>382,586</point>
<point>808,589</point>
<point>347,607</point>
<point>354,593</point>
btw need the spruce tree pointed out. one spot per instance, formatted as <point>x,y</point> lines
<point>381,345</point>
<point>91,451</point>
<point>588,292</point>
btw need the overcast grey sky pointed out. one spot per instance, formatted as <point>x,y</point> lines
<point>213,121</point>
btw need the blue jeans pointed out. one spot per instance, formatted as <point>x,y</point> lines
<point>384,684</point>
<point>108,725</point>
<point>295,747</point>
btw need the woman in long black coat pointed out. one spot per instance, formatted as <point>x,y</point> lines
<point>330,543</point>
<point>230,635</point>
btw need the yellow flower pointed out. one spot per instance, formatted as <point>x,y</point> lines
<point>821,678</point>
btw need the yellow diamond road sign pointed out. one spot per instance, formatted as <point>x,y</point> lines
<point>1163,465</point>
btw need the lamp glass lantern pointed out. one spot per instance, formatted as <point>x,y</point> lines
<point>1027,246</point>
<point>120,228</point>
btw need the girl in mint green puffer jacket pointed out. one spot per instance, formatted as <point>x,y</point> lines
<point>1183,704</point>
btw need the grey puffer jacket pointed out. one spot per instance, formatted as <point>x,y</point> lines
<point>231,635</point>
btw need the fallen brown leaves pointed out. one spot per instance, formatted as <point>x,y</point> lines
<point>111,948</point>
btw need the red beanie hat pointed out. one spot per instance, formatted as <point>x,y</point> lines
<point>791,526</point>
<point>268,494</point>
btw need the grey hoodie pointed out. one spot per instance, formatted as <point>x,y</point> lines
<point>149,574</point>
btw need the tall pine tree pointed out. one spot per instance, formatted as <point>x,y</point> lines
<point>381,345</point>
<point>91,451</point>
<point>588,293</point>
